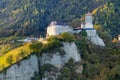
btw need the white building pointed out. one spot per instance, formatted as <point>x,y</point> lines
<point>88,18</point>
<point>88,22</point>
<point>56,28</point>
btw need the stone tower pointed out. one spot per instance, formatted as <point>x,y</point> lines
<point>88,21</point>
<point>88,18</point>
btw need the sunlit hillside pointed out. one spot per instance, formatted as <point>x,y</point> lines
<point>14,56</point>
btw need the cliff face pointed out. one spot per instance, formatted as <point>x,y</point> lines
<point>27,68</point>
<point>55,59</point>
<point>94,38</point>
<point>21,71</point>
<point>58,61</point>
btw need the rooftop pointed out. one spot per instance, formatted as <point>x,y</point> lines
<point>57,23</point>
<point>89,14</point>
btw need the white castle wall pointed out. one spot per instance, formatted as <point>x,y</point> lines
<point>88,25</point>
<point>88,18</point>
<point>58,29</point>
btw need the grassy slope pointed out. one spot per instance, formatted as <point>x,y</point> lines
<point>16,56</point>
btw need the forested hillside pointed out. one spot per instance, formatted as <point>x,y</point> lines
<point>107,17</point>
<point>26,17</point>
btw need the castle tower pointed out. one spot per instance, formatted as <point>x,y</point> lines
<point>88,18</point>
<point>88,21</point>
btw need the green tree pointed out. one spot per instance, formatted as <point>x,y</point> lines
<point>52,42</point>
<point>81,44</point>
<point>36,47</point>
<point>83,33</point>
<point>115,73</point>
<point>67,37</point>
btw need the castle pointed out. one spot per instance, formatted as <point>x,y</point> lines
<point>56,28</point>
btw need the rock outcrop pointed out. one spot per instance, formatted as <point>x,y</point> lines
<point>58,60</point>
<point>27,68</point>
<point>94,38</point>
<point>22,71</point>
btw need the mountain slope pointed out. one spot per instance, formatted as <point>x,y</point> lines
<point>26,17</point>
<point>107,17</point>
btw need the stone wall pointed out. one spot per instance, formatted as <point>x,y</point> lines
<point>58,29</point>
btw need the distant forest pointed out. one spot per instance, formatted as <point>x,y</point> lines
<point>31,17</point>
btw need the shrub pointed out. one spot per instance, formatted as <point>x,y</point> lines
<point>81,44</point>
<point>66,37</point>
<point>61,52</point>
<point>36,47</point>
<point>48,68</point>
<point>52,43</point>
<point>68,71</point>
<point>9,60</point>
<point>83,33</point>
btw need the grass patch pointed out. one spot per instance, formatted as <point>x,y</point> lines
<point>16,56</point>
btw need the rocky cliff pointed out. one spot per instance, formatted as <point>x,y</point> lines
<point>23,70</point>
<point>27,68</point>
<point>94,38</point>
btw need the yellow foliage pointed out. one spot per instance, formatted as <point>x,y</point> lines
<point>15,54</point>
<point>95,11</point>
<point>26,6</point>
<point>35,12</point>
<point>114,40</point>
<point>27,23</point>
<point>17,11</point>
<point>98,27</point>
